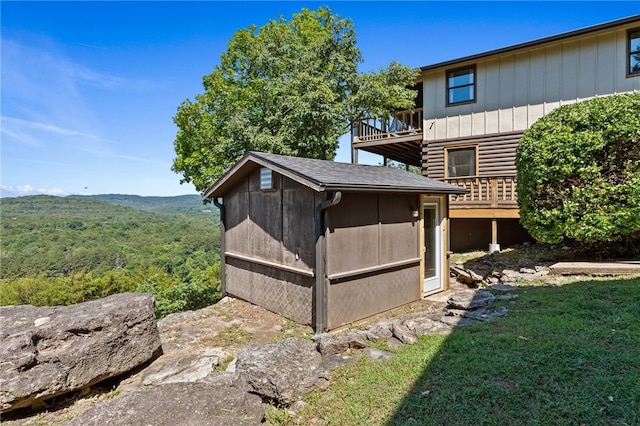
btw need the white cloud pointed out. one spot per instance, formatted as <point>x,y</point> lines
<point>23,130</point>
<point>23,190</point>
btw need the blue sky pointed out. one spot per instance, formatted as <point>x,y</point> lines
<point>89,89</point>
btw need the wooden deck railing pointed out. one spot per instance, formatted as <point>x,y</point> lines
<point>485,192</point>
<point>401,123</point>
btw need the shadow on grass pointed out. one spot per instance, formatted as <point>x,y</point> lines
<point>565,355</point>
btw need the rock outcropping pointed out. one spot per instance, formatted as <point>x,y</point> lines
<point>49,351</point>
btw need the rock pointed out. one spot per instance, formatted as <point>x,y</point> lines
<point>481,314</point>
<point>190,368</point>
<point>377,354</point>
<point>542,270</point>
<point>296,407</point>
<point>423,325</point>
<point>524,262</point>
<point>527,271</point>
<point>404,334</point>
<point>394,343</point>
<point>331,361</point>
<point>470,299</point>
<point>281,371</point>
<point>503,287</point>
<point>380,331</point>
<point>507,297</point>
<point>177,404</point>
<point>457,321</point>
<point>49,351</point>
<point>335,343</point>
<point>466,276</point>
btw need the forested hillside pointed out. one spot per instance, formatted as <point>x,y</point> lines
<point>181,204</point>
<point>66,250</point>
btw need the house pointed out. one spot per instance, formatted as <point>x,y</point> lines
<point>327,243</point>
<point>471,112</point>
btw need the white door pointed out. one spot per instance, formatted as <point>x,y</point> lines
<point>432,250</point>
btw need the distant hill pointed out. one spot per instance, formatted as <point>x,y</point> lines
<point>180,204</point>
<point>52,235</point>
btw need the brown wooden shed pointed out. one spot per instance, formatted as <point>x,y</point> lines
<point>326,243</point>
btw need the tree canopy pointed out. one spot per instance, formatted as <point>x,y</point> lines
<point>60,251</point>
<point>288,87</point>
<point>579,172</point>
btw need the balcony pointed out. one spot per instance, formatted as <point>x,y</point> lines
<point>494,195</point>
<point>396,137</point>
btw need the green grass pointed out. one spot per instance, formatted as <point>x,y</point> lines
<point>567,355</point>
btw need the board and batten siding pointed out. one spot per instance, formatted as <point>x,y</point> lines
<point>275,225</point>
<point>515,89</point>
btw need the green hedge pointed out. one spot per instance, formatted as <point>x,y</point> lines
<point>579,172</point>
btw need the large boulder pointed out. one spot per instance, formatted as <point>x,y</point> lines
<point>49,351</point>
<point>281,372</point>
<point>188,404</point>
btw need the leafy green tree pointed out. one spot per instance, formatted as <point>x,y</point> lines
<point>288,87</point>
<point>579,172</point>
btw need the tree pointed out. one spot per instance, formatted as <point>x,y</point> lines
<point>579,172</point>
<point>289,87</point>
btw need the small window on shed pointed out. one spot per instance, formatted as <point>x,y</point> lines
<point>633,53</point>
<point>461,161</point>
<point>266,178</point>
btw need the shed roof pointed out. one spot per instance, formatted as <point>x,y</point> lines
<point>322,175</point>
<point>535,43</point>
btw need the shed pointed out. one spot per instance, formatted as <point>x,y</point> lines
<point>326,243</point>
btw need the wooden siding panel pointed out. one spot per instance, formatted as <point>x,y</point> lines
<point>465,125</point>
<point>537,61</point>
<point>236,204</point>
<point>491,79</point>
<point>265,213</point>
<point>352,233</point>
<point>492,125</point>
<point>479,123</point>
<point>298,225</point>
<point>496,154</point>
<point>398,228</point>
<point>586,70</point>
<point>608,65</point>
<point>569,70</point>
<point>553,69</point>
<point>506,93</point>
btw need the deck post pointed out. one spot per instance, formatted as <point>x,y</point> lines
<point>494,246</point>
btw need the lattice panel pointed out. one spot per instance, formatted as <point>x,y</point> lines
<point>352,300</point>
<point>283,292</point>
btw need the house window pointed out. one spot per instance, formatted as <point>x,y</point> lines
<point>461,85</point>
<point>266,178</point>
<point>461,161</point>
<point>633,52</point>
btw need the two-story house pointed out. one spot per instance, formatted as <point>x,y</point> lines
<point>471,112</point>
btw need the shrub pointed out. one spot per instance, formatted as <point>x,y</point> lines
<point>579,172</point>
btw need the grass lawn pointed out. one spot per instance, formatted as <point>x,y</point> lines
<point>564,355</point>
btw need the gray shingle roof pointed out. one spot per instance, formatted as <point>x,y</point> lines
<point>322,175</point>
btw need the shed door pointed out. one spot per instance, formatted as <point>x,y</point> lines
<point>432,247</point>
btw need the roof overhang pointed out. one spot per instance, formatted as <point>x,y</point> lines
<point>534,43</point>
<point>252,161</point>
